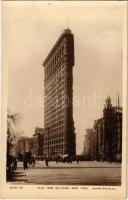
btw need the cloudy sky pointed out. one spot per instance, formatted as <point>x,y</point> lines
<point>31,29</point>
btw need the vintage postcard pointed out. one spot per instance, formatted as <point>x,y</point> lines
<point>64,98</point>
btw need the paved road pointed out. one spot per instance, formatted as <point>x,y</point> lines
<point>84,173</point>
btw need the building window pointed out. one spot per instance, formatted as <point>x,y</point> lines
<point>62,50</point>
<point>60,53</point>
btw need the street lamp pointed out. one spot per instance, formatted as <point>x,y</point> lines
<point>48,139</point>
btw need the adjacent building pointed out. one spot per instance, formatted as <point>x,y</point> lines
<point>88,144</point>
<point>104,141</point>
<point>38,139</point>
<point>112,117</point>
<point>24,144</point>
<point>31,144</point>
<point>59,134</point>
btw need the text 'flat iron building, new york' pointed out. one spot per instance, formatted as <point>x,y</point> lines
<point>59,136</point>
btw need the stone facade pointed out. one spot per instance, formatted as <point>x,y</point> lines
<point>59,136</point>
<point>104,141</point>
<point>24,144</point>
<point>33,144</point>
<point>112,117</point>
<point>38,140</point>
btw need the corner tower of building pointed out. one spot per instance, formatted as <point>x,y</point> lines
<point>59,136</point>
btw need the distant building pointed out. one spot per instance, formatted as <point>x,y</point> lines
<point>112,117</point>
<point>38,139</point>
<point>33,144</point>
<point>86,146</point>
<point>59,135</point>
<point>104,141</point>
<point>95,140</point>
<point>24,144</point>
<point>100,139</point>
<point>89,144</point>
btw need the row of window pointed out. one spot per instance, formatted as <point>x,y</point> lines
<point>54,136</point>
<point>52,110</point>
<point>51,149</point>
<point>54,73</point>
<point>55,122</point>
<point>54,118</point>
<point>56,102</point>
<point>60,70</point>
<point>47,114</point>
<point>54,94</point>
<point>54,78</point>
<point>54,141</point>
<point>57,128</point>
<point>55,88</point>
<point>55,110</point>
<point>59,105</point>
<point>51,100</point>
<point>54,61</point>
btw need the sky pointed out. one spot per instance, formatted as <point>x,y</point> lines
<point>30,30</point>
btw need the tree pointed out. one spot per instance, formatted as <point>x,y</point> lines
<point>12,121</point>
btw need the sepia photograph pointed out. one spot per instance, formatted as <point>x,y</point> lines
<point>64,92</point>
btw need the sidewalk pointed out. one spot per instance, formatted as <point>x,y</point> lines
<point>18,176</point>
<point>67,174</point>
<point>82,164</point>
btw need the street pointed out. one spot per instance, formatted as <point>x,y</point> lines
<point>84,173</point>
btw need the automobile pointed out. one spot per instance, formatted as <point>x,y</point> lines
<point>67,158</point>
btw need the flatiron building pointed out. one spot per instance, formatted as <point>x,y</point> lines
<point>59,135</point>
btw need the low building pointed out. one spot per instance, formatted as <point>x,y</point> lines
<point>24,144</point>
<point>31,144</point>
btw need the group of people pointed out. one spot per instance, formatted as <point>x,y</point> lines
<point>67,159</point>
<point>11,165</point>
<point>28,161</point>
<point>31,160</point>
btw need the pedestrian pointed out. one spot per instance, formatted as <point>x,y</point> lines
<point>78,160</point>
<point>33,161</point>
<point>46,161</point>
<point>56,161</point>
<point>15,164</point>
<point>30,162</point>
<point>25,163</point>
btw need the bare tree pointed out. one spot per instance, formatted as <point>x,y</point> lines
<point>12,120</point>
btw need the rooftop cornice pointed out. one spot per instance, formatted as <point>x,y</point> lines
<point>65,32</point>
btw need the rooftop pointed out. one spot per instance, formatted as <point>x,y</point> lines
<point>64,33</point>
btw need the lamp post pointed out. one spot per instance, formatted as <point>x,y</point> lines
<point>48,141</point>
